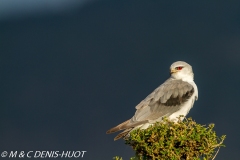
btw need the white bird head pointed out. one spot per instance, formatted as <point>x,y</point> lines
<point>181,70</point>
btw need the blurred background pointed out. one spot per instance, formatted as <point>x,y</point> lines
<point>72,69</point>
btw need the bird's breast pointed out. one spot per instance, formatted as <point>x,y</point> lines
<point>184,109</point>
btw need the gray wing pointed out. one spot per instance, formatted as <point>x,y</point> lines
<point>163,101</point>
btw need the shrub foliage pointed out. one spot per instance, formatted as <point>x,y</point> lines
<point>185,140</point>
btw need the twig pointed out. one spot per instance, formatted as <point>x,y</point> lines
<point>216,153</point>
<point>218,149</point>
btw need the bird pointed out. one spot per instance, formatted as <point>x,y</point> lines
<point>172,99</point>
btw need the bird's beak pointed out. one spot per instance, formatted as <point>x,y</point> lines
<point>173,71</point>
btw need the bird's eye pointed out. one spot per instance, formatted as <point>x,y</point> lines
<point>179,68</point>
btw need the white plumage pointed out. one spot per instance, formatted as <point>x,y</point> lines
<point>173,98</point>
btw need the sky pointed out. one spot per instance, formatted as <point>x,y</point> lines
<point>27,8</point>
<point>70,71</point>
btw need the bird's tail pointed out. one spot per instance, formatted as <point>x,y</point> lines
<point>123,134</point>
<point>118,127</point>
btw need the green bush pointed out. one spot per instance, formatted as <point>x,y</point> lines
<point>185,140</point>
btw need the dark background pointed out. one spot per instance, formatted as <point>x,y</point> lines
<point>68,76</point>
